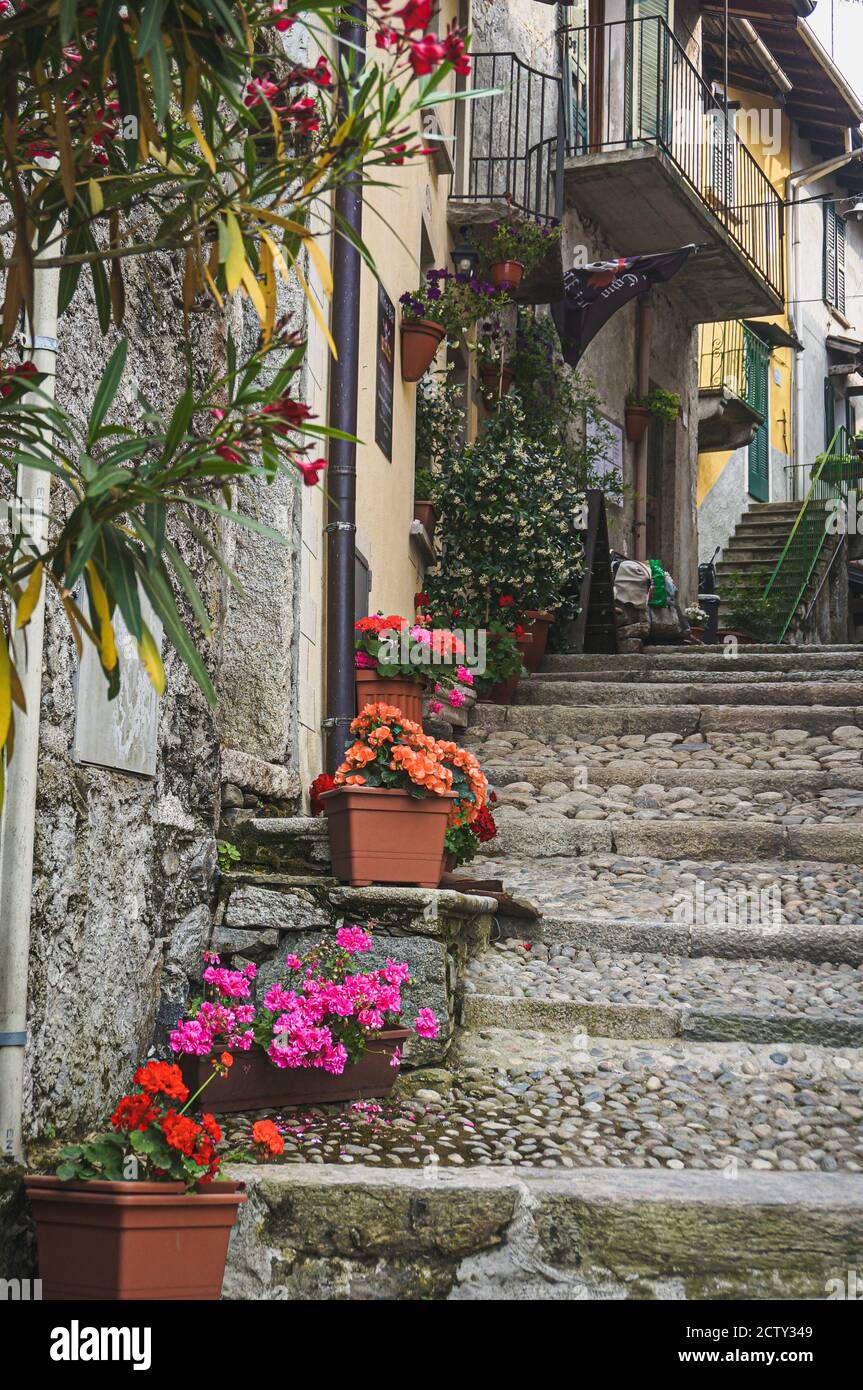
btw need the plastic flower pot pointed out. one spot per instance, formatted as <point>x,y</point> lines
<point>405,694</point>
<point>496,380</point>
<point>385,835</point>
<point>132,1240</point>
<point>421,339</point>
<point>256,1083</point>
<point>506,273</point>
<point>637,419</point>
<point>532,645</point>
<point>427,514</point>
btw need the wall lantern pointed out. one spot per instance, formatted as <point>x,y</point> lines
<point>465,258</point>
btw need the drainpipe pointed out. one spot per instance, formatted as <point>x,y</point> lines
<point>793,185</point>
<point>645,330</point>
<point>342,469</point>
<point>17,831</point>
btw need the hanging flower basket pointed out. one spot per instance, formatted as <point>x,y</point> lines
<point>132,1240</point>
<point>637,419</point>
<point>506,273</point>
<point>496,381</point>
<point>254,1083</point>
<point>386,835</point>
<point>421,339</point>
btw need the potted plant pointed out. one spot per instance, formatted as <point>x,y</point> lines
<point>425,510</point>
<point>664,405</point>
<point>504,666</point>
<point>447,304</point>
<point>328,1030</point>
<point>394,661</point>
<point>697,619</point>
<point>137,1212</point>
<point>398,790</point>
<point>516,248</point>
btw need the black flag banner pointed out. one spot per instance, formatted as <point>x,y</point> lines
<point>592,293</point>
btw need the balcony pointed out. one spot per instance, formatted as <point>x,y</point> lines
<point>509,158</point>
<point>652,158</point>
<point>732,386</point>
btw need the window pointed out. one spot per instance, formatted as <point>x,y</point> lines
<point>834,258</point>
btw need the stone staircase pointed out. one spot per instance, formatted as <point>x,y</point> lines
<point>654,1086</point>
<point>758,540</point>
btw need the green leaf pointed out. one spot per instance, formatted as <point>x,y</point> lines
<point>67,1171</point>
<point>121,568</point>
<point>190,588</point>
<point>103,297</point>
<point>68,11</point>
<point>76,245</point>
<point>107,388</point>
<point>161,79</point>
<point>159,593</point>
<point>152,12</point>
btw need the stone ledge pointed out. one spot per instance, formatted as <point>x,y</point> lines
<point>321,1232</point>
<point>272,781</point>
<point>820,945</point>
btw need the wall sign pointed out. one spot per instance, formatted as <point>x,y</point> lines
<point>386,353</point>
<point>120,733</point>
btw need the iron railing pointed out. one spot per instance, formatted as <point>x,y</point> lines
<point>630,85</point>
<point>837,471</point>
<point>513,137</point>
<point>734,357</point>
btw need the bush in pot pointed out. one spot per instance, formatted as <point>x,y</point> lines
<point>394,661</point>
<point>398,791</point>
<point>327,1030</point>
<point>517,248</point>
<point>446,305</point>
<point>137,1213</point>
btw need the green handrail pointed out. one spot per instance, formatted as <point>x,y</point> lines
<point>839,467</point>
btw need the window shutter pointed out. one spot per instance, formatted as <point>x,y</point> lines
<point>829,253</point>
<point>840,263</point>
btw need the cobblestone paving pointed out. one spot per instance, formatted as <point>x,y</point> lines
<point>558,973</point>
<point>652,801</point>
<point>527,1099</point>
<point>607,887</point>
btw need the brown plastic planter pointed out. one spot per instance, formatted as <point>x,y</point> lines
<point>132,1240</point>
<point>637,418</point>
<point>406,695</point>
<point>502,692</point>
<point>427,514</point>
<point>496,380</point>
<point>255,1083</point>
<point>382,835</point>
<point>506,273</point>
<point>532,645</point>
<point>420,341</point>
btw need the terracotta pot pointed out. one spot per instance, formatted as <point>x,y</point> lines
<point>532,645</point>
<point>255,1083</point>
<point>696,631</point>
<point>496,381</point>
<point>506,273</point>
<point>426,512</point>
<point>382,835</point>
<point>420,341</point>
<point>406,695</point>
<point>132,1240</point>
<point>637,419</point>
<point>502,693</point>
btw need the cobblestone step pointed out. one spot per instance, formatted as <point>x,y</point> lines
<point>635,772</point>
<point>603,720</point>
<point>541,690</point>
<point>614,994</point>
<point>530,1234</point>
<point>526,834</point>
<point>702,659</point>
<point>728,674</point>
<point>609,889</point>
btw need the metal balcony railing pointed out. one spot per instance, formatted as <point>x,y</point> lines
<point>512,139</point>
<point>838,471</point>
<point>733,357</point>
<point>630,84</point>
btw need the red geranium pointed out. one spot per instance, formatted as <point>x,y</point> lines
<point>181,1132</point>
<point>133,1112</point>
<point>162,1078</point>
<point>322,783</point>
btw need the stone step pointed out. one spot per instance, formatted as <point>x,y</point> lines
<point>609,993</point>
<point>329,1232</point>
<point>528,835</point>
<point>604,720</point>
<point>728,674</point>
<point>610,889</point>
<point>702,659</point>
<point>637,772</point>
<point>555,691</point>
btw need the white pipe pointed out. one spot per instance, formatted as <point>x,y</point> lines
<point>17,831</point>
<point>793,185</point>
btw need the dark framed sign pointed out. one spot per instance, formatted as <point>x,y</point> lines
<point>386,355</point>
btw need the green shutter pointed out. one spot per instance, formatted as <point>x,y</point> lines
<point>840,263</point>
<point>829,412</point>
<point>829,253</point>
<point>759,449</point>
<point>648,70</point>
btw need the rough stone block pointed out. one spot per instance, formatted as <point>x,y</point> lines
<point>272,781</point>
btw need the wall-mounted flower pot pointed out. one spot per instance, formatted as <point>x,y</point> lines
<point>405,694</point>
<point>496,380</point>
<point>132,1240</point>
<point>427,513</point>
<point>256,1083</point>
<point>420,341</point>
<point>382,835</point>
<point>509,273</point>
<point>637,420</point>
<point>532,645</point>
